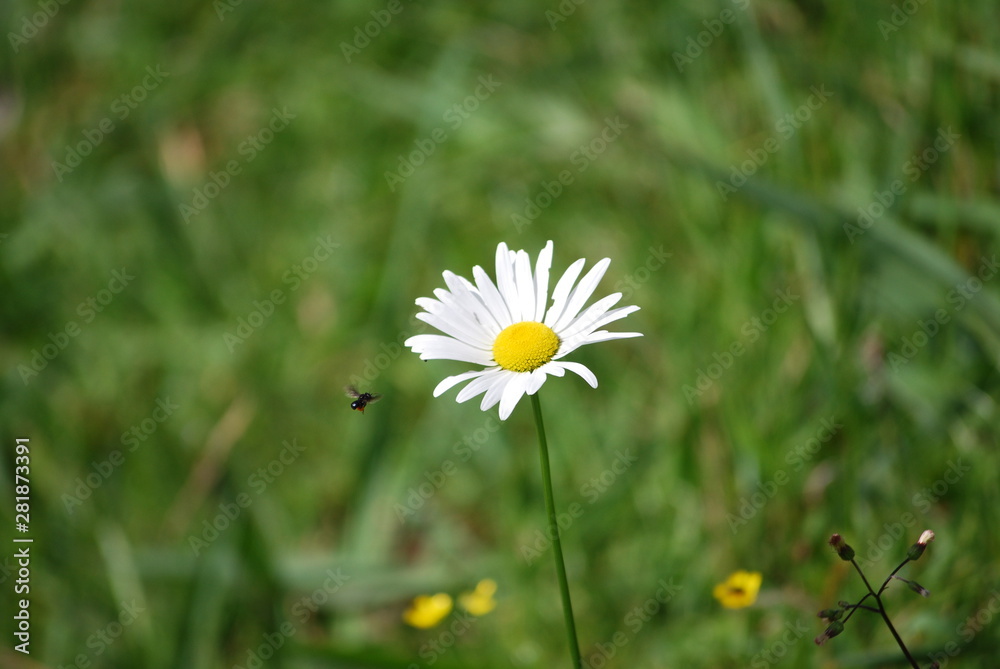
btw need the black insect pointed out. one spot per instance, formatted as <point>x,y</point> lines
<point>361,400</point>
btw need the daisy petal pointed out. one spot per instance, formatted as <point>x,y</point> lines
<point>582,293</point>
<point>456,289</point>
<point>578,369</point>
<point>603,335</point>
<point>455,324</point>
<point>495,392</point>
<point>506,284</point>
<point>452,381</point>
<point>553,369</point>
<point>593,338</point>
<point>525,285</point>
<point>439,347</point>
<point>469,305</point>
<point>542,266</point>
<point>576,334</point>
<point>535,380</point>
<point>590,315</point>
<point>561,292</point>
<point>492,298</point>
<point>467,298</point>
<point>477,386</point>
<point>429,303</point>
<point>512,394</point>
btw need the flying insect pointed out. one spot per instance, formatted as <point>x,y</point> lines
<point>361,400</point>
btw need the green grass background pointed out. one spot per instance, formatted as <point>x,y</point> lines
<point>668,517</point>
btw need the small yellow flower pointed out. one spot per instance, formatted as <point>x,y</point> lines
<point>427,610</point>
<point>480,601</point>
<point>739,590</point>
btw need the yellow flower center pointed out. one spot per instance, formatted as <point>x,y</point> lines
<point>525,346</point>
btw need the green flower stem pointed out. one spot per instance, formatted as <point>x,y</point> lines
<point>550,507</point>
<point>888,578</point>
<point>881,610</point>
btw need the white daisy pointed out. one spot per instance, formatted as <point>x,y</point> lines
<point>507,329</point>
